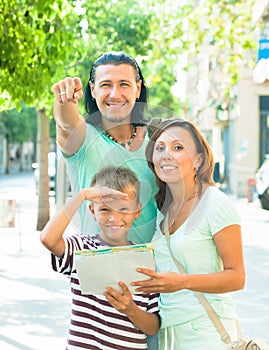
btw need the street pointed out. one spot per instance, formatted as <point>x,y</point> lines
<point>35,301</point>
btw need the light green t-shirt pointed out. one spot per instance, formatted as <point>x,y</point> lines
<point>99,151</point>
<point>193,246</point>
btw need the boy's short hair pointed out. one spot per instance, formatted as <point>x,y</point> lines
<point>118,178</point>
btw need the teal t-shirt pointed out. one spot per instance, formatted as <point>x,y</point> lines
<point>193,246</point>
<point>99,151</point>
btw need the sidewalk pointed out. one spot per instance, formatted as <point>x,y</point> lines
<point>35,301</point>
<point>252,303</point>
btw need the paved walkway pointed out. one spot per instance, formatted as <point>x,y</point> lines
<point>34,300</point>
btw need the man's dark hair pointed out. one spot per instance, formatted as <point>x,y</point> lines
<point>116,58</point>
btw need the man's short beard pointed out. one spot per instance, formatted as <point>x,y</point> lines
<point>116,119</point>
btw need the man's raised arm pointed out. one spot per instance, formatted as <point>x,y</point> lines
<point>71,126</point>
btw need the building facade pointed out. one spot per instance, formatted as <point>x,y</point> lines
<point>250,121</point>
<point>237,129</point>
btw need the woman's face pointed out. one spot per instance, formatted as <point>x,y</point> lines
<point>175,157</point>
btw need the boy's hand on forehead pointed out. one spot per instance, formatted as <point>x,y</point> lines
<point>100,194</point>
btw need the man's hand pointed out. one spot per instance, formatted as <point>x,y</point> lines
<point>68,90</point>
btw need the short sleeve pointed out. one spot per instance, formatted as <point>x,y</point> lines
<point>153,303</point>
<point>91,134</point>
<point>65,265</point>
<point>222,212</point>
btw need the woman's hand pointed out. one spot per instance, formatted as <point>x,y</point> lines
<point>229,246</point>
<point>165,282</point>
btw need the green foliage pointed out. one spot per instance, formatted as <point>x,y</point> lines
<point>36,39</point>
<point>43,41</point>
<point>120,25</point>
<point>19,126</point>
<point>227,26</point>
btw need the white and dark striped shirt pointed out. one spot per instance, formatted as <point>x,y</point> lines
<point>95,324</point>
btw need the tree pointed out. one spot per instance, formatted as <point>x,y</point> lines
<point>227,27</point>
<point>36,41</point>
<point>14,122</point>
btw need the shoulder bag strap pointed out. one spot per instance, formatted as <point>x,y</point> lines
<point>200,296</point>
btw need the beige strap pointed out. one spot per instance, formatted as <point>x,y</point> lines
<point>200,296</point>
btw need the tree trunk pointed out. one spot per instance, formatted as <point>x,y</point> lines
<point>21,159</point>
<point>42,159</point>
<point>8,156</point>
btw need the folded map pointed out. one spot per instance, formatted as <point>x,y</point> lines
<point>97,269</point>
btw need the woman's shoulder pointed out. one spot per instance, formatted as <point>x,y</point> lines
<point>213,199</point>
<point>221,206</point>
<point>215,192</point>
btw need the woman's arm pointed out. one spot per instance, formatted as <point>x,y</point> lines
<point>229,245</point>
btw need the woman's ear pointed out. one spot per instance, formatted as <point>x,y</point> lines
<point>198,161</point>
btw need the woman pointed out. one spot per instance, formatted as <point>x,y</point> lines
<point>205,238</point>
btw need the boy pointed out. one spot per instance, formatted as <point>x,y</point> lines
<point>112,320</point>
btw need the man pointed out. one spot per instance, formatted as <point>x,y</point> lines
<point>113,134</point>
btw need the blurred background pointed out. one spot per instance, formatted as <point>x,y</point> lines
<point>204,60</point>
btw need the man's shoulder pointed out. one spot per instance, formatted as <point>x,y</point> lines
<point>92,128</point>
<point>92,133</point>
